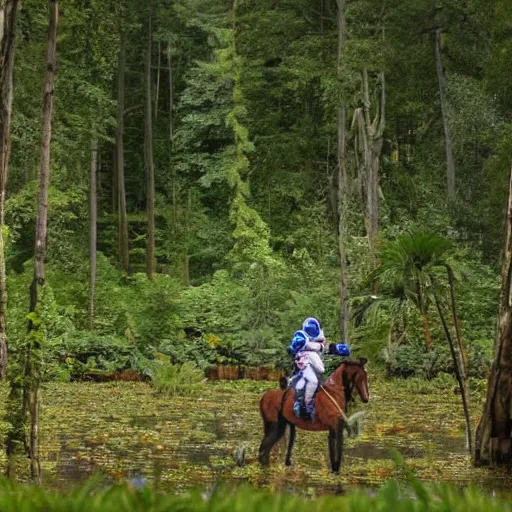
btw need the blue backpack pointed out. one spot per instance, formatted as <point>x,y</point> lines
<point>339,349</point>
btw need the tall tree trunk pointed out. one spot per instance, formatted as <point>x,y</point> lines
<point>424,316</point>
<point>455,317</point>
<point>380,125</point>
<point>342,181</point>
<point>368,146</point>
<point>150,169</point>
<point>7,50</point>
<point>492,440</point>
<point>171,91</point>
<point>460,375</point>
<point>124,258</point>
<point>186,229</point>
<point>93,218</point>
<point>16,442</point>
<point>115,192</point>
<point>157,92</point>
<point>426,330</point>
<point>32,371</point>
<point>450,165</point>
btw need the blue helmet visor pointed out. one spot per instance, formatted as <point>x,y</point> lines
<point>312,327</point>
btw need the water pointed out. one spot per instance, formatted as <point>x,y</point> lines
<point>126,431</point>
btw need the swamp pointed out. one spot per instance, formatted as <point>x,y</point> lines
<point>127,430</point>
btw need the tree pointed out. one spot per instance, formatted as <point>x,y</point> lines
<point>410,265</point>
<point>93,230</point>
<point>124,256</point>
<point>35,335</point>
<point>342,183</point>
<point>149,163</point>
<point>493,444</point>
<point>368,147</point>
<point>450,165</point>
<point>7,50</point>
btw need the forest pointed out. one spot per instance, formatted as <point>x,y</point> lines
<point>182,182</point>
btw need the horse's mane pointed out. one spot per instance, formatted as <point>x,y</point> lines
<point>348,362</point>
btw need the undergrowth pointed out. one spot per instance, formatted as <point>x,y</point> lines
<point>391,497</point>
<point>176,379</point>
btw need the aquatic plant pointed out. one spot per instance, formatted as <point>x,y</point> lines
<point>175,379</point>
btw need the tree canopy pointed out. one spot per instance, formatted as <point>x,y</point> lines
<point>244,99</point>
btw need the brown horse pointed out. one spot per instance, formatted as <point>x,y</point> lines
<point>276,408</point>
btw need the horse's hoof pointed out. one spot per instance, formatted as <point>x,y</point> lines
<point>287,462</point>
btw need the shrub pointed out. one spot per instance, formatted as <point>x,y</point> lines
<point>412,360</point>
<point>176,380</point>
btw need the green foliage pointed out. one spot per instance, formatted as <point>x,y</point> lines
<point>176,380</point>
<point>245,166</point>
<point>412,360</point>
<point>404,264</point>
<point>393,496</point>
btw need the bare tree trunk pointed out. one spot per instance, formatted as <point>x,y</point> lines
<point>342,216</point>
<point>459,374</point>
<point>157,93</point>
<point>171,92</point>
<point>492,440</point>
<point>369,141</point>
<point>342,182</point>
<point>150,169</point>
<point>380,125</point>
<point>462,357</point>
<point>32,377</point>
<point>7,50</point>
<point>450,165</point>
<point>426,330</point>
<point>455,317</point>
<point>16,438</point>
<point>124,257</point>
<point>115,192</point>
<point>16,442</point>
<point>93,218</point>
<point>424,316</point>
<point>33,409</point>
<point>186,226</point>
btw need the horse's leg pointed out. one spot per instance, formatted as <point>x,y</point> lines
<point>267,424</point>
<point>267,427</point>
<point>291,441</point>
<point>339,447</point>
<point>332,448</point>
<point>277,431</point>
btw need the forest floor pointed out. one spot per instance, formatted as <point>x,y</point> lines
<point>125,430</point>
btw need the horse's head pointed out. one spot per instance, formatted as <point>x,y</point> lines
<point>361,381</point>
<point>356,377</point>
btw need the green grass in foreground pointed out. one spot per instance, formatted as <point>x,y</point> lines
<point>91,498</point>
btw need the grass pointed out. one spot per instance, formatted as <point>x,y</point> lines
<point>391,497</point>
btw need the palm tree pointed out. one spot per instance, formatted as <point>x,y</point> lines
<point>417,267</point>
<point>404,270</point>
